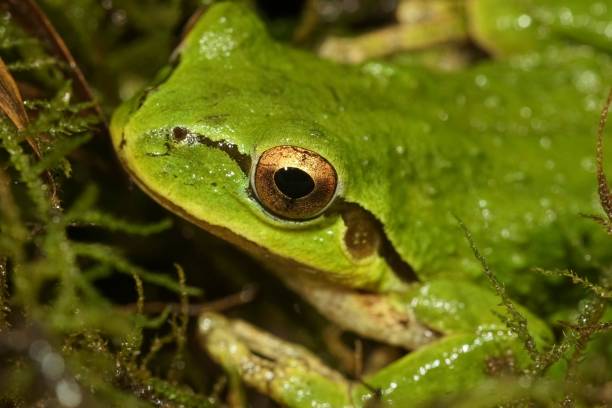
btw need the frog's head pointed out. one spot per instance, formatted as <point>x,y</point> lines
<point>250,141</point>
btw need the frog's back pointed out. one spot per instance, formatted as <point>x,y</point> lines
<point>509,148</point>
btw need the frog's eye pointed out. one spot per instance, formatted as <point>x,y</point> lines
<point>294,183</point>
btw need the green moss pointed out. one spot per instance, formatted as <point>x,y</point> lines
<point>51,306</point>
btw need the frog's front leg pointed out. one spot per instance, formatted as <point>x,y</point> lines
<point>294,377</point>
<point>286,372</point>
<point>468,339</point>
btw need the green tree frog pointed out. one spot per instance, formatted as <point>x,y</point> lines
<point>345,180</point>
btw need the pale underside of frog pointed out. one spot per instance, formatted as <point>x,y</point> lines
<point>345,182</point>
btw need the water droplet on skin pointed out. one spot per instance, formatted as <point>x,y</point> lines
<point>537,124</point>
<point>481,81</point>
<point>545,202</point>
<point>486,214</point>
<point>524,21</point>
<point>217,44</point>
<point>491,102</point>
<point>566,16</point>
<point>378,70</point>
<point>588,81</point>
<point>392,386</point>
<point>591,103</point>
<point>598,9</point>
<point>608,30</point>
<point>525,112</point>
<point>545,143</point>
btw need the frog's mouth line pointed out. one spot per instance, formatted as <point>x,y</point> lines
<point>355,218</point>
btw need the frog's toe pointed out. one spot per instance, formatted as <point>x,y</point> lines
<point>286,372</point>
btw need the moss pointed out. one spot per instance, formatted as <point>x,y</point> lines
<point>55,323</point>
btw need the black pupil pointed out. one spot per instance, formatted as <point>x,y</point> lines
<point>293,182</point>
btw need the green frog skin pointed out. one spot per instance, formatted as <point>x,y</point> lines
<point>346,181</point>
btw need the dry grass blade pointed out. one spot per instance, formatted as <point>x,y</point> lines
<point>11,104</point>
<point>11,101</point>
<point>28,12</point>
<point>605,197</point>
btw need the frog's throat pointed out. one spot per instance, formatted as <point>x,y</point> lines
<point>385,249</point>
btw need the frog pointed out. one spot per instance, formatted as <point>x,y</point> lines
<point>347,181</point>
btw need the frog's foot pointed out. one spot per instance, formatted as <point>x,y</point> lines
<point>422,24</point>
<point>453,367</point>
<point>294,377</point>
<point>288,373</point>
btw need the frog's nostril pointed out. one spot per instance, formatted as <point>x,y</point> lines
<point>293,182</point>
<point>179,133</point>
